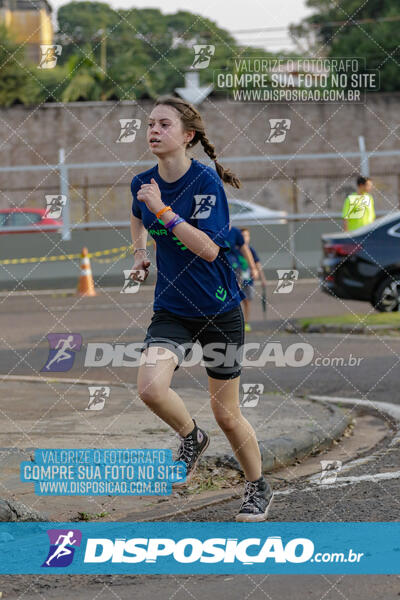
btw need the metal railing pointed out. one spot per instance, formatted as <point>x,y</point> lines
<point>63,169</point>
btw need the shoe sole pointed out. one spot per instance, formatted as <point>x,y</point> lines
<point>189,477</point>
<point>249,518</point>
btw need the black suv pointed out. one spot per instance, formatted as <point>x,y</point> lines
<point>364,264</point>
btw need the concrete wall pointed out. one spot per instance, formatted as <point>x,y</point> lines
<point>88,132</point>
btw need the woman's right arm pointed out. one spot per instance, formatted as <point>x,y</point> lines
<point>139,240</point>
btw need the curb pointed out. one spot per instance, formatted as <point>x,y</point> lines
<point>112,288</point>
<point>354,329</point>
<point>74,381</point>
<point>382,409</point>
<point>11,510</point>
<point>276,453</point>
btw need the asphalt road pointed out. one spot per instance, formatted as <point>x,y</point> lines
<point>372,493</point>
<point>196,587</point>
<point>356,366</point>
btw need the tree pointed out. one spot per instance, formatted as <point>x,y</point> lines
<point>17,84</point>
<point>122,55</point>
<point>358,29</point>
<point>141,52</point>
<point>86,81</point>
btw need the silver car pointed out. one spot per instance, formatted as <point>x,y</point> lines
<point>247,213</point>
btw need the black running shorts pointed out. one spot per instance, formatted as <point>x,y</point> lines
<point>223,332</point>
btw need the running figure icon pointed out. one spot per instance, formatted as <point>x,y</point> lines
<point>55,205</point>
<point>62,354</point>
<point>49,55</point>
<point>203,54</point>
<point>204,204</point>
<point>98,397</point>
<point>62,549</point>
<point>129,128</point>
<point>286,281</point>
<point>279,129</point>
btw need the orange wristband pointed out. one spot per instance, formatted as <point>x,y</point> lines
<point>162,211</point>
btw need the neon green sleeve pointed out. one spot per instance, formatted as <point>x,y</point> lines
<point>372,208</point>
<point>346,207</point>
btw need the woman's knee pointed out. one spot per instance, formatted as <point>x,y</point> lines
<point>228,421</point>
<point>151,393</point>
<point>154,381</point>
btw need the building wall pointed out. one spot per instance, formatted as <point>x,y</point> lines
<point>88,132</point>
<point>29,27</point>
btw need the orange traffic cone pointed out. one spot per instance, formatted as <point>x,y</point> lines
<point>86,283</point>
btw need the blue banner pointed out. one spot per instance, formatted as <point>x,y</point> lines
<point>208,548</point>
<point>103,472</point>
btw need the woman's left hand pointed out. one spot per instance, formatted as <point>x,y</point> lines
<point>150,194</point>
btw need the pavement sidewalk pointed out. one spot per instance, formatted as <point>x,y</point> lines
<point>52,414</point>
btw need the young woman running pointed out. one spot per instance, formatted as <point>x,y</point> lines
<point>182,204</point>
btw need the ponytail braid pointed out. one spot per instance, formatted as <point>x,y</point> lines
<point>191,120</point>
<point>225,174</point>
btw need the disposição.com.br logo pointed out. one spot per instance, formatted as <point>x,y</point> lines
<point>63,543</point>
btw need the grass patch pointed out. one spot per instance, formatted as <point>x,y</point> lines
<point>209,477</point>
<point>85,516</point>
<point>350,319</point>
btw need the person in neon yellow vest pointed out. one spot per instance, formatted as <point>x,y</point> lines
<point>358,208</point>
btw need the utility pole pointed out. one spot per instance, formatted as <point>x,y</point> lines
<point>103,51</point>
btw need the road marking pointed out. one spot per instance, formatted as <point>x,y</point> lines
<point>393,410</point>
<point>341,482</point>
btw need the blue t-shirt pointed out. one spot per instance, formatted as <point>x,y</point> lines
<point>235,240</point>
<point>187,284</point>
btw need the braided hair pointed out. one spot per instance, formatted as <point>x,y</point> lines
<point>191,120</point>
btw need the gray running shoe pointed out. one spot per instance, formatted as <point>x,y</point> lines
<point>257,500</point>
